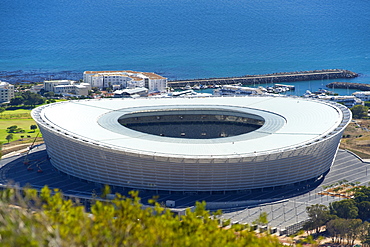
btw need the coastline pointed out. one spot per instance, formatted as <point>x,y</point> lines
<point>32,76</point>
<point>38,76</point>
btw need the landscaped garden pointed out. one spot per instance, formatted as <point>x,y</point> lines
<point>17,123</point>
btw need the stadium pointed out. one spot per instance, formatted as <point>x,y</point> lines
<point>215,144</point>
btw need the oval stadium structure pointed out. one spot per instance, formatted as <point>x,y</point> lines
<point>215,144</point>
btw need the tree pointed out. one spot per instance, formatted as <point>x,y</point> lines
<point>32,99</point>
<point>49,94</point>
<point>318,215</point>
<point>14,129</point>
<point>344,209</point>
<point>362,194</point>
<point>364,210</point>
<point>261,220</point>
<point>47,219</point>
<point>359,111</point>
<point>33,127</point>
<point>9,137</point>
<point>335,229</point>
<point>2,109</point>
<point>354,226</point>
<point>94,90</point>
<point>55,221</point>
<point>364,232</point>
<point>17,100</point>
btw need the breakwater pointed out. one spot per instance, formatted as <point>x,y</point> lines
<point>349,85</point>
<point>268,78</point>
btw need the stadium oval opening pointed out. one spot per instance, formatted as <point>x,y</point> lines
<point>192,123</point>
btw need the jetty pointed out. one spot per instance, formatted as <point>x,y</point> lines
<point>349,85</point>
<point>267,78</point>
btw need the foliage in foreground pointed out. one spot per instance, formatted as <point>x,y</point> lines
<point>50,220</point>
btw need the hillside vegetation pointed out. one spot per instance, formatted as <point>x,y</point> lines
<point>27,219</point>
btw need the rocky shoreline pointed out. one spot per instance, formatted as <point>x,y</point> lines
<point>32,76</point>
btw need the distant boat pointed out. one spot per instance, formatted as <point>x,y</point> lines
<point>187,87</point>
<point>287,87</point>
<point>196,87</point>
<point>236,91</point>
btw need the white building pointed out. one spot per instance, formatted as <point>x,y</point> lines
<point>349,101</point>
<point>50,85</point>
<point>126,79</point>
<point>131,93</point>
<point>37,88</point>
<point>67,87</point>
<point>364,96</point>
<point>6,91</point>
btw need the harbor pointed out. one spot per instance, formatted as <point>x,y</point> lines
<point>264,79</point>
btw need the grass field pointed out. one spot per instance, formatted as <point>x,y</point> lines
<point>19,111</point>
<point>356,138</point>
<point>20,118</point>
<point>16,114</point>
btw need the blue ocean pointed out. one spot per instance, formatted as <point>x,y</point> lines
<point>186,39</point>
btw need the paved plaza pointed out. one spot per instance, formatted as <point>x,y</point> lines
<point>285,206</point>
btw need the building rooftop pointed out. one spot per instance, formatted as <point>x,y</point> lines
<point>131,91</point>
<point>4,84</point>
<point>129,73</point>
<point>289,122</point>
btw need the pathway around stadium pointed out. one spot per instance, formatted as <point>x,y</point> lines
<point>285,207</point>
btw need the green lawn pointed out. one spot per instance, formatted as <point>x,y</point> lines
<point>19,111</point>
<point>21,123</point>
<point>16,114</point>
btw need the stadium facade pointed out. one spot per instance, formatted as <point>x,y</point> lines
<point>215,144</point>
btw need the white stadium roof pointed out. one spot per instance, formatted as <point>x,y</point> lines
<point>289,122</point>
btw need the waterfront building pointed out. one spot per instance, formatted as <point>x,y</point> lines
<point>6,91</point>
<point>349,101</point>
<point>67,87</point>
<point>126,79</point>
<point>364,96</point>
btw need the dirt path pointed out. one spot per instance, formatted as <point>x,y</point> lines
<point>12,147</point>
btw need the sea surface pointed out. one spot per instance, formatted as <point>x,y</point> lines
<point>186,39</point>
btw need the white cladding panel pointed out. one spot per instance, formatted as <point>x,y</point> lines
<point>79,146</point>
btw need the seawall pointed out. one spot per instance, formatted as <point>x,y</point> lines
<point>349,85</point>
<point>268,78</point>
